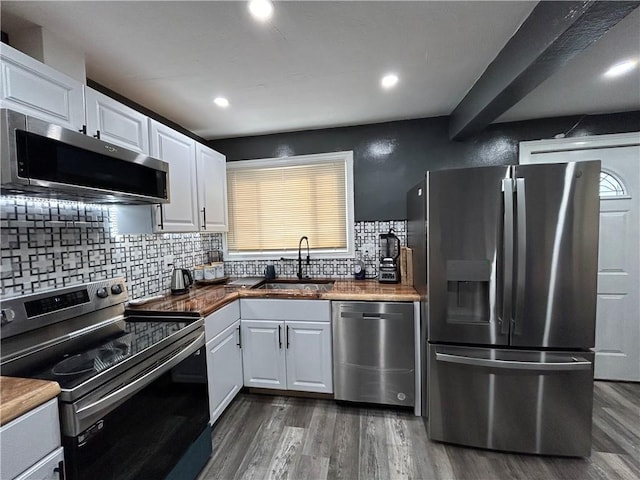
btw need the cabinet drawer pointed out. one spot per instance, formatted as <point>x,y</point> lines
<point>221,319</point>
<point>276,309</point>
<point>46,469</point>
<point>29,438</point>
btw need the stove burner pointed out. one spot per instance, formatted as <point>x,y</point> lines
<point>81,363</point>
<point>93,360</point>
<point>105,357</point>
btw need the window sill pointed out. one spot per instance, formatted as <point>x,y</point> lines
<point>289,255</point>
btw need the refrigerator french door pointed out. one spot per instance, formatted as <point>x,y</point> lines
<point>511,291</point>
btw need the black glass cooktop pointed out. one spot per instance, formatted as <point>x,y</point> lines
<point>75,368</point>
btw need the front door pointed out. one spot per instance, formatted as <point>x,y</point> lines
<point>617,343</point>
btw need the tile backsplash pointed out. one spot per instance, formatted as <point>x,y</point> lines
<point>48,244</point>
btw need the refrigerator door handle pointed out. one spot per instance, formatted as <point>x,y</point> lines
<point>505,317</point>
<point>576,363</point>
<point>521,215</point>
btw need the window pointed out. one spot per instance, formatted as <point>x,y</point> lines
<point>611,186</point>
<point>275,202</point>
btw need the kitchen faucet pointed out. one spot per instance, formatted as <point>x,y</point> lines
<point>300,257</point>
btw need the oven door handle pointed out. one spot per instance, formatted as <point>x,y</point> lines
<point>138,384</point>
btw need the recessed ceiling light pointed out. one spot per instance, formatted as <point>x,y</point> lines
<point>261,10</point>
<point>221,102</point>
<point>621,68</point>
<point>389,80</point>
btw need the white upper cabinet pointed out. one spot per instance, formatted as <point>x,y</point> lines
<point>116,123</point>
<point>181,213</point>
<point>212,189</point>
<point>36,89</point>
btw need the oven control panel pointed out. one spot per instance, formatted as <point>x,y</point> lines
<point>56,302</point>
<point>29,312</point>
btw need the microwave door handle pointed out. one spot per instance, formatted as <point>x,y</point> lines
<point>114,398</point>
<point>521,200</point>
<point>161,224</point>
<point>507,272</point>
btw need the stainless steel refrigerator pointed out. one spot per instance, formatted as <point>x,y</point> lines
<point>505,260</point>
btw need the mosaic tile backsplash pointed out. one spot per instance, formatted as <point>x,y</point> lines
<point>47,244</point>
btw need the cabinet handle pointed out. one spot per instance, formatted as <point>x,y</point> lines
<point>279,337</point>
<point>287,336</point>
<point>60,470</point>
<point>161,224</point>
<point>204,218</point>
<point>239,344</point>
<point>97,135</point>
<point>83,130</point>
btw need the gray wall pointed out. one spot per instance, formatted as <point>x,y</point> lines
<point>389,158</point>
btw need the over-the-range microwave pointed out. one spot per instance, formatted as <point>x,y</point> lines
<point>38,158</point>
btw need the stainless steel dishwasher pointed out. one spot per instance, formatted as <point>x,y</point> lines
<point>374,352</point>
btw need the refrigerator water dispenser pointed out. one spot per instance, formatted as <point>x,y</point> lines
<point>468,290</point>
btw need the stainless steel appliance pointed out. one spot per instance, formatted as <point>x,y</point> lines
<point>374,352</point>
<point>506,262</point>
<point>389,253</point>
<point>181,280</point>
<point>126,410</point>
<point>43,159</point>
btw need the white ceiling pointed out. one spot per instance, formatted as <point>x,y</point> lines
<point>316,64</point>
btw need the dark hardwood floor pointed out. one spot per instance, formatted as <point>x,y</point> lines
<point>275,437</point>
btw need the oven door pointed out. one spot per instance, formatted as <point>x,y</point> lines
<point>151,424</point>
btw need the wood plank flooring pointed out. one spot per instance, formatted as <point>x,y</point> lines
<point>274,437</point>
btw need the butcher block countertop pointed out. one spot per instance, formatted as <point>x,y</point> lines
<point>19,395</point>
<point>209,298</point>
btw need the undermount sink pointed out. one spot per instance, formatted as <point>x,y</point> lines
<point>314,285</point>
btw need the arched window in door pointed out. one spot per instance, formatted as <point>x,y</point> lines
<point>611,185</point>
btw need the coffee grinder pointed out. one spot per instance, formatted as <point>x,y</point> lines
<point>389,254</point>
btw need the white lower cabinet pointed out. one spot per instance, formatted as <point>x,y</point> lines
<point>289,347</point>
<point>263,355</point>
<point>30,445</point>
<point>309,365</point>
<point>224,357</point>
<point>224,369</point>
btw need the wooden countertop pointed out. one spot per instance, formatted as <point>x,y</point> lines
<point>19,395</point>
<point>207,299</point>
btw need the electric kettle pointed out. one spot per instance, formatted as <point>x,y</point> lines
<point>181,280</point>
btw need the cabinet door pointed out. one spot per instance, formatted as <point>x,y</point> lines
<point>224,369</point>
<point>212,189</point>
<point>263,354</point>
<point>309,365</point>
<point>116,123</point>
<point>33,88</point>
<point>181,214</point>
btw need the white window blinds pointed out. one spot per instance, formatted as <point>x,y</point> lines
<point>274,203</point>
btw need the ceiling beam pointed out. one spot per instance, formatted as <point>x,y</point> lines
<point>547,40</point>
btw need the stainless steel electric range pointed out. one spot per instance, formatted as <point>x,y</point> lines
<point>134,399</point>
